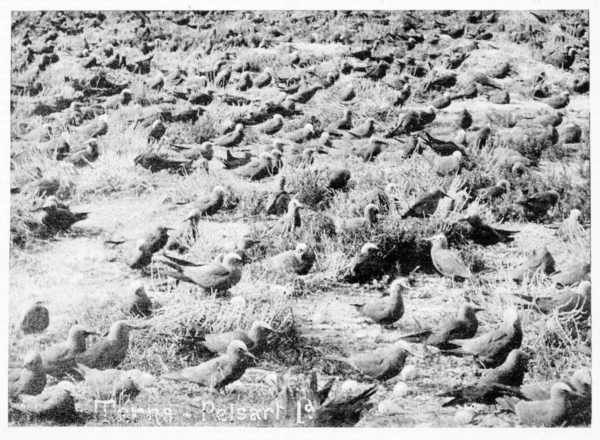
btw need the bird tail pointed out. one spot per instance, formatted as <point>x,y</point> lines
<point>357,306</point>
<point>417,337</point>
<point>180,261</point>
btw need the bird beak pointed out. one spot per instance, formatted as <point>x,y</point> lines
<point>250,355</point>
<point>91,332</point>
<point>138,326</point>
<point>478,309</point>
<point>463,219</point>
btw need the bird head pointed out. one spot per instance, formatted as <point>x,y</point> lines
<point>32,361</point>
<point>457,155</point>
<point>103,118</point>
<point>511,317</point>
<point>309,129</point>
<point>585,288</point>
<point>517,358</point>
<point>574,214</point>
<point>239,127</point>
<point>79,332</point>
<point>238,349</point>
<point>369,249</point>
<point>218,191</point>
<point>278,144</point>
<point>582,380</point>
<point>301,248</point>
<point>438,241</point>
<point>92,146</point>
<point>232,260</point>
<point>370,212</point>
<point>294,206</point>
<point>398,286</point>
<point>561,391</point>
<point>504,184</point>
<point>278,117</point>
<point>261,328</point>
<point>246,243</point>
<point>138,289</point>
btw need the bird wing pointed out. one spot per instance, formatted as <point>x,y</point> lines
<point>209,276</point>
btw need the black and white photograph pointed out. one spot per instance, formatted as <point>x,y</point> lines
<point>289,218</point>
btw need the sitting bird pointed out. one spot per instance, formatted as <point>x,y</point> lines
<point>355,224</point>
<point>218,372</point>
<point>299,260</point>
<point>208,205</point>
<point>538,261</point>
<point>232,138</point>
<point>35,319</point>
<point>109,352</point>
<point>148,246</point>
<point>385,311</point>
<point>231,162</point>
<point>55,403</point>
<point>255,338</point>
<point>537,205</point>
<point>59,360</point>
<point>486,235</point>
<point>575,303</point>
<point>30,379</point>
<point>58,217</point>
<point>364,266</point>
<point>278,203</point>
<point>138,303</point>
<point>426,205</point>
<point>85,156</point>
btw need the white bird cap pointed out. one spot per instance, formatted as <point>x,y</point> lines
<point>575,213</point>
<point>32,359</point>
<point>103,118</point>
<point>309,127</point>
<point>368,248</point>
<point>457,154</point>
<point>137,286</point>
<point>236,345</point>
<point>231,258</point>
<point>301,247</point>
<point>399,284</point>
<point>218,190</point>
<point>261,324</point>
<point>239,126</point>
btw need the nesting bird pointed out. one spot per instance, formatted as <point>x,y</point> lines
<point>350,225</point>
<point>255,338</point>
<point>385,311</point>
<point>109,352</point>
<point>208,205</point>
<point>218,372</point>
<point>85,156</point>
<point>157,130</point>
<point>363,265</point>
<point>232,138</point>
<point>31,379</point>
<point>138,303</point>
<point>445,261</point>
<point>58,217</point>
<point>59,360</point>
<point>538,261</point>
<point>426,205</point>
<point>299,260</point>
<point>486,235</point>
<point>148,246</point>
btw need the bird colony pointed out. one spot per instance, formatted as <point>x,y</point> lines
<point>348,218</point>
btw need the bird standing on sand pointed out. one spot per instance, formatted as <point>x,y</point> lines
<point>59,360</point>
<point>110,351</point>
<point>31,379</point>
<point>385,311</point>
<point>381,364</point>
<point>299,260</point>
<point>218,372</point>
<point>212,277</point>
<point>464,326</point>
<point>504,380</point>
<point>148,246</point>
<point>445,261</point>
<point>255,338</point>
<point>491,349</point>
<point>36,319</point>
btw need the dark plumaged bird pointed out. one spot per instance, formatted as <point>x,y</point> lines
<point>58,217</point>
<point>157,130</point>
<point>138,303</point>
<point>464,326</point>
<point>148,246</point>
<point>443,148</point>
<point>446,261</point>
<point>464,119</point>
<point>232,138</point>
<point>155,162</point>
<point>557,101</point>
<point>385,310</point>
<point>491,349</point>
<point>426,205</point>
<point>538,261</point>
<point>504,380</point>
<point>231,162</point>
<point>364,266</point>
<point>222,78</point>
<point>263,79</point>
<point>347,93</point>
<point>377,72</point>
<point>218,372</point>
<point>486,235</point>
<point>537,205</point>
<point>36,319</point>
<point>343,411</point>
<point>480,140</point>
<point>338,178</point>
<point>343,123</point>
<point>245,82</point>
<point>278,203</point>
